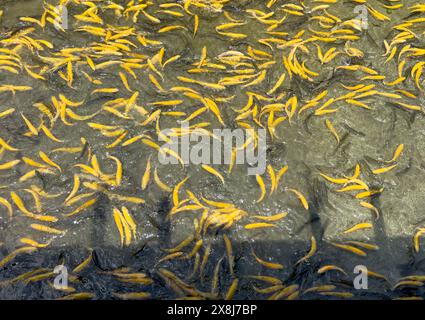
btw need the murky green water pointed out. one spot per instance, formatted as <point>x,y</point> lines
<point>368,137</point>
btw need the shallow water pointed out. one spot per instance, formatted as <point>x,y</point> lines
<point>305,145</point>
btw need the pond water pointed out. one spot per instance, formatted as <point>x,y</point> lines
<point>110,71</point>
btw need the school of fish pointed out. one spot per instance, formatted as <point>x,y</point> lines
<point>113,73</point>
